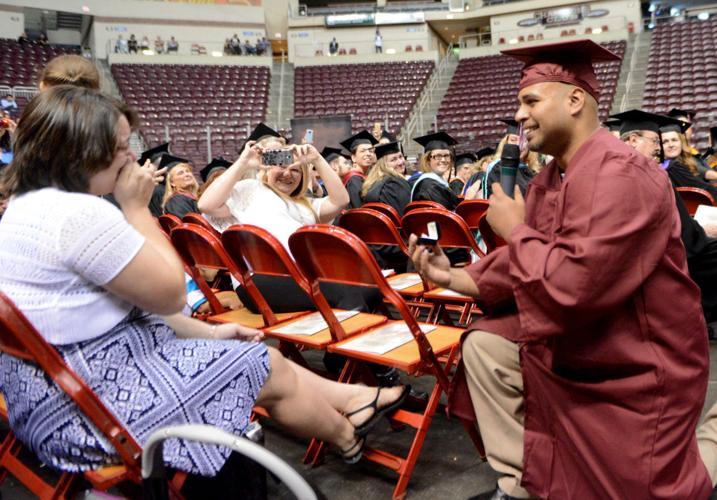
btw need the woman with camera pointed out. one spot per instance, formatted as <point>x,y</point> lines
<point>104,286</point>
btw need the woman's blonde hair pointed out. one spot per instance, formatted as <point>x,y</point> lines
<point>170,190</point>
<point>686,157</point>
<point>70,69</point>
<point>379,171</point>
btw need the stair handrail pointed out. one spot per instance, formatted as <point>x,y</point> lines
<point>280,110</point>
<point>628,80</point>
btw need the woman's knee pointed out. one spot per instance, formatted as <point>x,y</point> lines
<point>281,378</point>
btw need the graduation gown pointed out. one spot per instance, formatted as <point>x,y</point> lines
<point>457,186</point>
<point>155,202</point>
<point>613,347</point>
<point>432,190</point>
<point>681,176</point>
<point>180,204</point>
<point>522,177</point>
<point>394,191</point>
<point>353,182</point>
<point>477,177</point>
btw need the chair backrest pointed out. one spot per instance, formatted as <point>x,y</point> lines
<point>199,220</point>
<point>422,204</point>
<point>386,210</point>
<point>694,197</point>
<point>491,240</point>
<point>20,339</point>
<point>169,222</point>
<point>455,233</point>
<point>372,227</point>
<point>471,211</point>
<point>330,253</point>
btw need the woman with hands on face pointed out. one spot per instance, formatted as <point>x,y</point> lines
<point>104,286</point>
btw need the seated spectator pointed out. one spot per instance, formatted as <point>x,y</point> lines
<point>172,45</point>
<point>159,45</point>
<point>265,46</point>
<point>235,45</point>
<point>23,38</point>
<point>144,44</point>
<point>462,172</point>
<point>121,45</point>
<point>111,273</point>
<point>248,48</point>
<point>436,165</point>
<point>70,69</point>
<point>8,103</point>
<point>385,182</point>
<point>132,44</point>
<point>7,129</point>
<point>333,47</point>
<point>680,164</point>
<point>180,194</point>
<point>42,39</point>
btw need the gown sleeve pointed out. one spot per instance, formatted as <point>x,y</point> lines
<point>353,186</point>
<point>431,190</point>
<point>397,193</point>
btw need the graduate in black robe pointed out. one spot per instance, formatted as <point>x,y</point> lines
<point>384,184</point>
<point>180,202</point>
<point>436,164</point>
<point>681,176</point>
<point>362,155</point>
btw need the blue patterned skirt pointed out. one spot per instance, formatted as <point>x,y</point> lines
<point>149,379</point>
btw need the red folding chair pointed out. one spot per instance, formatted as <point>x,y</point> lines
<point>169,222</point>
<point>455,233</point>
<point>491,240</point>
<point>199,248</point>
<point>386,210</point>
<point>256,251</point>
<point>471,211</point>
<point>18,338</point>
<point>422,204</point>
<point>199,220</point>
<point>375,228</point>
<point>332,254</point>
<point>694,197</point>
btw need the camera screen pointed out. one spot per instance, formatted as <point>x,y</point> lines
<point>278,157</point>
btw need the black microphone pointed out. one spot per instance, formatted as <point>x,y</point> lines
<point>509,160</point>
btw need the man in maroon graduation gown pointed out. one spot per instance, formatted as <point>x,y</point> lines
<point>589,372</point>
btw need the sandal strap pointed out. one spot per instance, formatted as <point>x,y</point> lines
<point>346,452</point>
<point>373,404</point>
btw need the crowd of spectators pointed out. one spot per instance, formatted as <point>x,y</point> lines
<point>234,47</point>
<point>134,46</point>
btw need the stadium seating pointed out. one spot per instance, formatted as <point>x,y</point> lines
<point>188,98</point>
<point>681,73</point>
<point>368,92</point>
<point>484,89</point>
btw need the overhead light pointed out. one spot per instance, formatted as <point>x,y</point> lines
<point>148,52</point>
<point>217,53</point>
<point>468,7</point>
<point>597,31</point>
<point>85,8</point>
<point>513,41</point>
<point>277,35</point>
<point>390,51</point>
<point>703,16</point>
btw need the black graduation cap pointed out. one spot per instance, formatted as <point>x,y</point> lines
<point>363,137</point>
<point>438,140</point>
<point>636,120</point>
<point>215,164</point>
<point>680,127</point>
<point>152,154</point>
<point>171,161</point>
<point>513,126</point>
<point>613,125</point>
<point>388,135</point>
<point>330,154</point>
<point>387,149</point>
<point>261,131</point>
<point>678,113</point>
<point>465,158</point>
<point>483,152</point>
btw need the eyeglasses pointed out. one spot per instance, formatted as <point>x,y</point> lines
<point>441,157</point>
<point>653,140</point>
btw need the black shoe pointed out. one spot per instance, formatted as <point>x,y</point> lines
<point>496,494</point>
<point>390,378</point>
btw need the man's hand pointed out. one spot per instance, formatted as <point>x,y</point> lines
<point>505,212</point>
<point>430,262</point>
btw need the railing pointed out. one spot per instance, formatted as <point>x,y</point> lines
<point>361,46</point>
<point>362,8</point>
<point>475,40</point>
<point>187,47</point>
<point>280,107</point>
<point>26,92</point>
<point>415,121</point>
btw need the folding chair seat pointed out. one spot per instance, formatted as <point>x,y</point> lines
<point>18,338</point>
<point>331,254</point>
<point>200,248</point>
<point>254,251</point>
<point>386,210</point>
<point>199,220</point>
<point>169,222</point>
<point>694,197</point>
